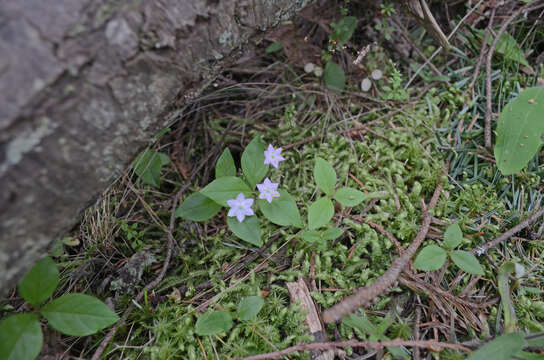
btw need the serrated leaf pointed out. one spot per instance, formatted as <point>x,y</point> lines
<point>467,262</point>
<point>320,213</point>
<point>225,165</point>
<point>225,188</point>
<point>430,258</point>
<point>213,322</point>
<point>334,77</point>
<point>282,210</point>
<point>332,233</point>
<point>453,236</point>
<point>349,197</point>
<point>324,175</point>
<point>197,207</point>
<point>519,131</point>
<point>501,348</point>
<point>148,166</point>
<point>249,307</point>
<point>21,337</point>
<point>40,282</point>
<point>78,314</point>
<point>253,165</point>
<point>248,230</point>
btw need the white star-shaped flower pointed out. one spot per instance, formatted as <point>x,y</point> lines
<point>273,156</point>
<point>240,207</point>
<point>268,190</point>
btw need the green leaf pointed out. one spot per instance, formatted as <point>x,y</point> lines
<point>504,291</point>
<point>507,46</point>
<point>334,77</point>
<point>501,348</point>
<point>453,236</point>
<point>249,307</point>
<point>275,46</point>
<point>349,197</point>
<point>430,258</point>
<point>332,233</point>
<point>320,213</point>
<point>21,337</point>
<point>197,207</point>
<point>40,282</point>
<point>315,238</point>
<point>528,356</point>
<point>519,131</point>
<point>213,322</point>
<point>225,188</point>
<point>148,166</point>
<point>248,230</point>
<point>324,175</point>
<point>343,31</point>
<point>467,262</point>
<point>78,314</point>
<point>253,165</point>
<point>281,211</point>
<point>225,165</point>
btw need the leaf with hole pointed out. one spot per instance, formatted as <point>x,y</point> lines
<point>453,236</point>
<point>248,230</point>
<point>197,207</point>
<point>225,188</point>
<point>78,314</point>
<point>282,210</point>
<point>349,197</point>
<point>467,262</point>
<point>253,165</point>
<point>320,213</point>
<point>225,165</point>
<point>324,176</point>
<point>519,131</point>
<point>249,307</point>
<point>334,77</point>
<point>21,337</point>
<point>213,322</point>
<point>430,258</point>
<point>40,282</point>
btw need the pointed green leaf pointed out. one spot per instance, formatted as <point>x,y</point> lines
<point>501,348</point>
<point>213,322</point>
<point>332,233</point>
<point>349,197</point>
<point>281,211</point>
<point>467,262</point>
<point>334,77</point>
<point>249,307</point>
<point>275,46</point>
<point>324,175</point>
<point>225,165</point>
<point>453,236</point>
<point>430,258</point>
<point>320,213</point>
<point>519,130</point>
<point>197,207</point>
<point>78,314</point>
<point>248,230</point>
<point>253,165</point>
<point>21,337</point>
<point>40,282</point>
<point>148,166</point>
<point>225,188</point>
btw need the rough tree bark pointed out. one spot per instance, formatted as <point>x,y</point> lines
<point>82,84</point>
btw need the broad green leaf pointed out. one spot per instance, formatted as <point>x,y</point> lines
<point>320,213</point>
<point>275,46</point>
<point>332,233</point>
<point>21,337</point>
<point>349,197</point>
<point>504,291</point>
<point>501,348</point>
<point>430,258</point>
<point>324,175</point>
<point>343,31</point>
<point>467,262</point>
<point>334,77</point>
<point>225,188</point>
<point>248,230</point>
<point>213,322</point>
<point>281,211</point>
<point>519,130</point>
<point>253,165</point>
<point>78,314</point>
<point>528,356</point>
<point>315,238</point>
<point>197,207</point>
<point>39,282</point>
<point>249,307</point>
<point>225,165</point>
<point>507,46</point>
<point>148,166</point>
<point>453,236</point>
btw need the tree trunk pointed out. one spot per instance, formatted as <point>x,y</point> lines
<point>83,83</point>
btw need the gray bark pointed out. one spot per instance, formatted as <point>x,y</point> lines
<point>83,84</point>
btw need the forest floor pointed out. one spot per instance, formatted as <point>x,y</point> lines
<point>418,130</point>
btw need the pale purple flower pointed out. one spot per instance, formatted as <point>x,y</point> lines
<point>240,207</point>
<point>268,189</point>
<point>273,156</point>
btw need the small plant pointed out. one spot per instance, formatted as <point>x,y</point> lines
<point>386,10</point>
<point>148,166</point>
<point>333,75</point>
<point>395,91</point>
<point>433,257</point>
<point>21,335</point>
